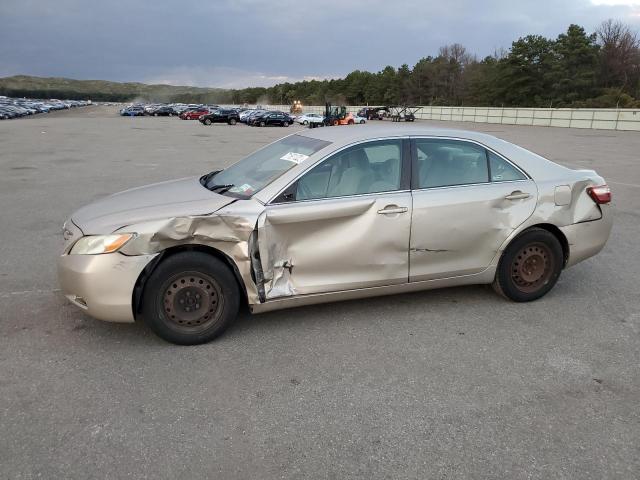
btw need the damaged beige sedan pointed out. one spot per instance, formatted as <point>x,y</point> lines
<point>332,214</point>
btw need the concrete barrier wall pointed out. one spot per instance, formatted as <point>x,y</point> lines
<point>598,118</point>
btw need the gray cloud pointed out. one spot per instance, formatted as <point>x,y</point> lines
<point>236,43</point>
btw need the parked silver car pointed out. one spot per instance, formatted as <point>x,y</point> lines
<point>330,214</point>
<point>307,118</point>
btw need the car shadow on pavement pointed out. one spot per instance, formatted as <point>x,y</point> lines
<point>448,301</point>
<point>445,305</point>
<point>390,307</point>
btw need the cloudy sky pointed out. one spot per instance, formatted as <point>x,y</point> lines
<point>238,43</point>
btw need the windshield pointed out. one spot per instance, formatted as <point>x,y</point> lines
<point>256,171</point>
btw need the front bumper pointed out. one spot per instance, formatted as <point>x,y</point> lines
<point>102,285</point>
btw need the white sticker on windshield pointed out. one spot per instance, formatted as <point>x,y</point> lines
<point>245,188</point>
<point>294,157</point>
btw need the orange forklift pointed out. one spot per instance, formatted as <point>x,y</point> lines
<point>334,116</point>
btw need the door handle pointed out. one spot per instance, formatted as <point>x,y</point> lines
<point>517,195</point>
<point>391,209</point>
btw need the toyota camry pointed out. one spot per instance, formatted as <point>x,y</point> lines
<point>333,214</point>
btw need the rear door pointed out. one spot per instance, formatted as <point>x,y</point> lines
<point>466,201</point>
<point>342,225</point>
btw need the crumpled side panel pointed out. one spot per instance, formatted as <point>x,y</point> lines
<point>226,233</point>
<point>581,208</point>
<point>277,278</point>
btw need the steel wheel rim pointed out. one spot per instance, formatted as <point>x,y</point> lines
<point>532,267</point>
<point>191,302</point>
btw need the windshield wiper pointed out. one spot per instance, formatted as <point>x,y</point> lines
<point>221,188</point>
<point>205,178</point>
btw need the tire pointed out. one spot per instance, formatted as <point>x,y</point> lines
<point>530,266</point>
<point>350,122</point>
<point>362,122</point>
<point>285,124</point>
<point>207,121</point>
<point>187,278</point>
<point>304,122</point>
<point>262,124</point>
<point>232,121</point>
<point>155,114</point>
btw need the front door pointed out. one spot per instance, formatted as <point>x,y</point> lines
<point>466,201</point>
<point>344,224</point>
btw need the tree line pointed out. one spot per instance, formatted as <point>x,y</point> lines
<point>576,69</point>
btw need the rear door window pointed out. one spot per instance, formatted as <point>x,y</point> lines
<point>442,163</point>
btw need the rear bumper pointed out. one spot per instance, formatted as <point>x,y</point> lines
<point>102,285</point>
<point>586,239</point>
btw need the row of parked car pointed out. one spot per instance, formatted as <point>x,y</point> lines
<point>210,114</point>
<point>21,107</point>
<point>162,109</point>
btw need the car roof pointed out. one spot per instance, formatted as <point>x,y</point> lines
<point>348,134</point>
<point>536,166</point>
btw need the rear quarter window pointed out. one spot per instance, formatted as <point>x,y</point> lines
<point>503,171</point>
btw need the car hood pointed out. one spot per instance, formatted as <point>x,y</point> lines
<point>174,198</point>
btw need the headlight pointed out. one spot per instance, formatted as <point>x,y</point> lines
<point>97,244</point>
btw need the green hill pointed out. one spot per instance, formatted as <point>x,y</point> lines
<point>101,90</point>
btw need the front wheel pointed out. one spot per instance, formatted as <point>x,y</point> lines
<point>232,121</point>
<point>285,124</point>
<point>190,298</point>
<point>304,122</point>
<point>262,124</point>
<point>207,121</point>
<point>362,122</point>
<point>530,266</point>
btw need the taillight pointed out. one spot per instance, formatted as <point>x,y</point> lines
<point>600,194</point>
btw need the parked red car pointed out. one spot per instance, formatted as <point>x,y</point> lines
<point>193,114</point>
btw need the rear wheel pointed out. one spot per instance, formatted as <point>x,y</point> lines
<point>285,124</point>
<point>191,298</point>
<point>262,124</point>
<point>207,121</point>
<point>304,122</point>
<point>232,121</point>
<point>530,266</point>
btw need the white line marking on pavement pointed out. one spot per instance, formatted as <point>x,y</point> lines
<point>27,292</point>
<point>625,184</point>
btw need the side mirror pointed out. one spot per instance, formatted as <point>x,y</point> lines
<point>289,195</point>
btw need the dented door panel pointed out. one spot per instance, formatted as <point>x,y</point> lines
<point>336,244</point>
<point>458,230</point>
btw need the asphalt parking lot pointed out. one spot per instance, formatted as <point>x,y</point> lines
<point>454,383</point>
